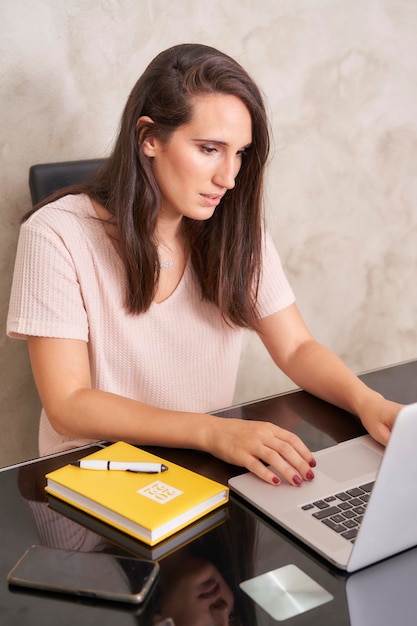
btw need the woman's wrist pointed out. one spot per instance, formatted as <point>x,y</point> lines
<point>205,432</point>
<point>367,401</point>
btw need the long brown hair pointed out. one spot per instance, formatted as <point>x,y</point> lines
<point>225,250</point>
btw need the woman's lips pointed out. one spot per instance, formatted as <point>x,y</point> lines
<point>211,199</point>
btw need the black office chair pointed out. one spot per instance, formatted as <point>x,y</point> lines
<point>45,178</point>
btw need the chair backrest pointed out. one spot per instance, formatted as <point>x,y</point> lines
<point>45,178</point>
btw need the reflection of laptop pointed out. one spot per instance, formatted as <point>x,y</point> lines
<point>315,513</point>
<point>384,594</point>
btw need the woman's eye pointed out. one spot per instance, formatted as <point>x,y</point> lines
<point>208,149</point>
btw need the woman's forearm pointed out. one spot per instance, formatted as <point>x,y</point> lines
<point>95,414</point>
<point>317,370</point>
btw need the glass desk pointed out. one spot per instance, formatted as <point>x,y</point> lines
<point>237,545</point>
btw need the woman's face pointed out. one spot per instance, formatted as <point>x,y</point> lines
<point>197,596</point>
<point>202,158</point>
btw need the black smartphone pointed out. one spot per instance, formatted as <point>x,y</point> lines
<point>85,574</point>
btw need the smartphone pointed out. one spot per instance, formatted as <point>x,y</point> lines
<point>85,574</point>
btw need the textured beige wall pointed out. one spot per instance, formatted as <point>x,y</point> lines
<point>340,78</point>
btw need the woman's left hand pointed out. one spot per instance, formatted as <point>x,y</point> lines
<point>378,418</point>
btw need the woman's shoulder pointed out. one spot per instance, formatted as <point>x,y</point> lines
<point>70,209</point>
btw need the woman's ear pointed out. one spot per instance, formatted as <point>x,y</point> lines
<point>146,140</point>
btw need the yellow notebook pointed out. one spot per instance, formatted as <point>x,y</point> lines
<point>150,507</point>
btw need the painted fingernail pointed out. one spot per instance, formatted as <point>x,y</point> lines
<point>297,480</point>
<point>276,480</point>
<point>309,475</point>
<point>312,463</point>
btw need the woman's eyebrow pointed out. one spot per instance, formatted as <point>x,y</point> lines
<point>219,142</point>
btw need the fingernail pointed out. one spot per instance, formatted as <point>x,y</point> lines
<point>276,480</point>
<point>312,463</point>
<point>297,480</point>
<point>309,475</point>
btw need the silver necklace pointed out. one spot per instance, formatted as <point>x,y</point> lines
<point>167,264</point>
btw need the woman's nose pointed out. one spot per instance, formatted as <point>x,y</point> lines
<point>225,175</point>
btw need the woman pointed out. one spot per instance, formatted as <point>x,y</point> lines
<point>133,291</point>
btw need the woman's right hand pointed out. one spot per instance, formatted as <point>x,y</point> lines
<point>253,444</point>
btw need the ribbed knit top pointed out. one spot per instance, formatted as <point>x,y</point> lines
<point>69,282</point>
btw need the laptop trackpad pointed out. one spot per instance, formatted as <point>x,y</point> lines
<point>349,463</point>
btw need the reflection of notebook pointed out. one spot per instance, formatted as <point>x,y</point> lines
<point>138,548</point>
<point>388,510</point>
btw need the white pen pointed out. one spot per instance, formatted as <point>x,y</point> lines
<point>125,466</point>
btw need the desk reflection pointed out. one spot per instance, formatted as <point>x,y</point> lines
<point>198,583</point>
<point>203,575</point>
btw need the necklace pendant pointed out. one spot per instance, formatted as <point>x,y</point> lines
<point>166,264</point>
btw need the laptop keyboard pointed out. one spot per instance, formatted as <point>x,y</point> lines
<point>342,511</point>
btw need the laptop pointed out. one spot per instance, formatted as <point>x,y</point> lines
<point>381,595</point>
<point>362,505</point>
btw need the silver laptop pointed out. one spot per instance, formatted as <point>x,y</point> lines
<point>362,505</point>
